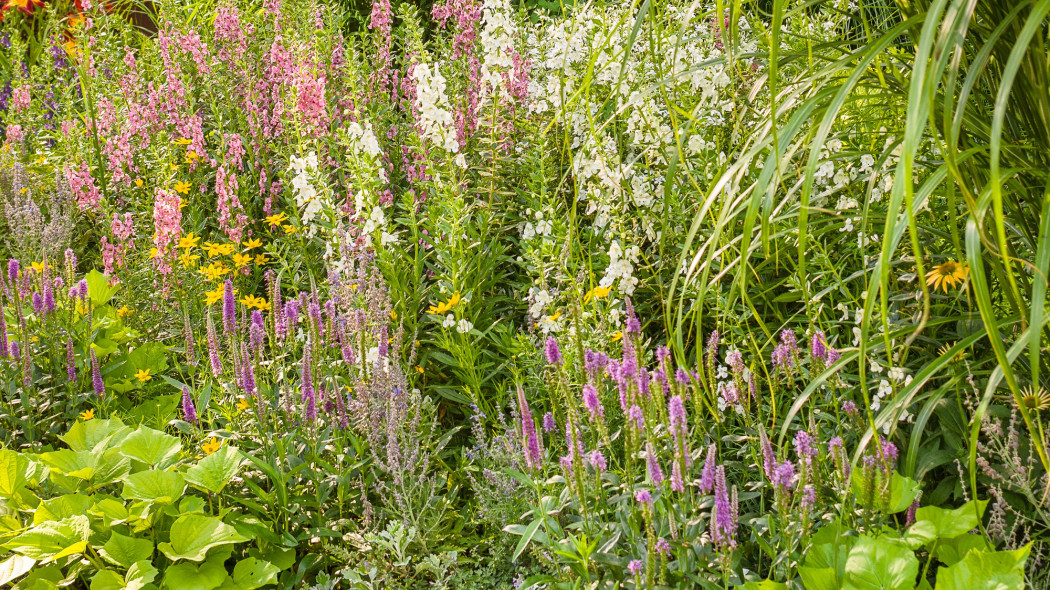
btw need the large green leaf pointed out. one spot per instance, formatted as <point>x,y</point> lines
<point>952,523</point>
<point>52,540</point>
<point>154,485</point>
<point>951,551</point>
<point>80,465</point>
<point>62,507</point>
<point>192,535</point>
<point>880,564</point>
<point>986,570</point>
<point>151,446</point>
<point>186,576</point>
<point>214,471</point>
<point>14,567</point>
<point>100,291</point>
<point>139,576</point>
<point>251,573</point>
<point>13,468</point>
<point>87,434</point>
<point>124,551</point>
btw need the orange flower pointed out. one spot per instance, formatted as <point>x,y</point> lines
<point>25,6</point>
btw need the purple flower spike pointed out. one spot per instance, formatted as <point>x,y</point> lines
<point>530,440</point>
<point>818,347</point>
<point>229,309</point>
<point>707,476</point>
<point>804,447</point>
<point>96,375</point>
<point>71,367</point>
<point>632,326</point>
<point>653,464</point>
<point>592,403</point>
<point>635,566</point>
<point>597,460</point>
<point>643,497</point>
<point>309,394</point>
<point>189,412</point>
<point>636,417</point>
<point>552,352</point>
<point>549,425</point>
<point>3,333</point>
<point>784,476</point>
<point>13,267</point>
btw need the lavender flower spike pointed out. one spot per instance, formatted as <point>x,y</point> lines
<point>552,352</point>
<point>653,464</point>
<point>96,375</point>
<point>229,309</point>
<point>189,412</point>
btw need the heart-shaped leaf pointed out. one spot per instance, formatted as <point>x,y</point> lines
<point>213,472</point>
<point>879,564</point>
<point>192,535</point>
<point>15,567</point>
<point>13,468</point>
<point>52,540</point>
<point>86,435</point>
<point>186,576</point>
<point>62,507</point>
<point>124,551</point>
<point>154,485</point>
<point>150,446</point>
<point>80,465</point>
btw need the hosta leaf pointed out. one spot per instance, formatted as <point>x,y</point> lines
<point>187,576</point>
<point>192,535</point>
<point>151,446</point>
<point>154,485</point>
<point>14,567</point>
<point>13,468</point>
<point>87,434</point>
<point>124,551</point>
<point>62,507</point>
<point>51,540</point>
<point>879,564</point>
<point>214,471</point>
<point>986,570</point>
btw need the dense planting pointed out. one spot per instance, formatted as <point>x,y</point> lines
<point>487,295</point>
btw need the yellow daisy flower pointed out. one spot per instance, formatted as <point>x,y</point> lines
<point>143,375</point>
<point>241,260</point>
<point>189,241</point>
<point>182,187</point>
<point>252,244</point>
<point>89,414</point>
<point>211,445</point>
<point>947,274</point>
<point>277,219</point>
<point>261,259</point>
